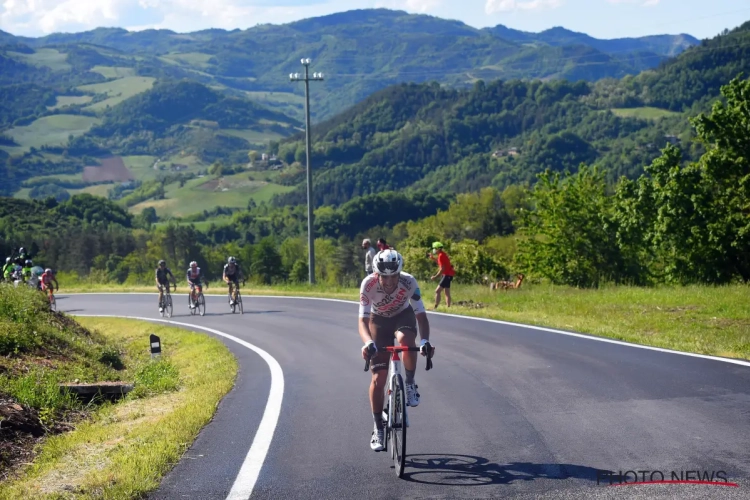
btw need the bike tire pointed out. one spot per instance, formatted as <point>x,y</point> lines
<point>168,308</point>
<point>239,302</point>
<point>398,426</point>
<point>201,304</point>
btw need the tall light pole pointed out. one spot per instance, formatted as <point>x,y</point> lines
<point>296,77</point>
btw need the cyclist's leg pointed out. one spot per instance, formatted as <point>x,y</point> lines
<point>382,334</point>
<point>236,287</point>
<point>406,334</point>
<point>161,292</point>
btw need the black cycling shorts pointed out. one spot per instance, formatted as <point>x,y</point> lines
<point>446,281</point>
<point>383,331</point>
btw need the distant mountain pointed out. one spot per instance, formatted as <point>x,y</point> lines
<point>660,45</point>
<point>360,51</point>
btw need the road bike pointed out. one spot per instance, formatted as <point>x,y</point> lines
<point>199,304</point>
<point>52,301</point>
<point>396,418</point>
<point>165,305</point>
<point>238,303</point>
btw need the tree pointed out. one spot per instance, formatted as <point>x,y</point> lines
<point>266,261</point>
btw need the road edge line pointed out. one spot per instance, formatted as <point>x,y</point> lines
<point>246,478</point>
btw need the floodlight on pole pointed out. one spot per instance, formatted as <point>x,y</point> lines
<point>296,77</point>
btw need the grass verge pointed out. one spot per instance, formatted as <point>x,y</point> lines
<point>122,450</point>
<point>699,319</point>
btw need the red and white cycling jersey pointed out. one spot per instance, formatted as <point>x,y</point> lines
<point>372,297</point>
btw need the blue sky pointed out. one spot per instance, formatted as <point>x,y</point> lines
<point>599,18</point>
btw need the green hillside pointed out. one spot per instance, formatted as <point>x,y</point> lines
<point>361,50</point>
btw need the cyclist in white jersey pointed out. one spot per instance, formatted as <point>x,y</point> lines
<point>390,304</point>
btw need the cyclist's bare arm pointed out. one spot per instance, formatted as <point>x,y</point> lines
<point>364,333</point>
<point>424,326</point>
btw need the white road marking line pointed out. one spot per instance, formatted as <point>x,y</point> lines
<point>501,322</point>
<point>256,455</point>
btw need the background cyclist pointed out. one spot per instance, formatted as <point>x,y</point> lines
<point>194,280</point>
<point>232,275</point>
<point>47,278</point>
<point>163,276</point>
<point>385,310</point>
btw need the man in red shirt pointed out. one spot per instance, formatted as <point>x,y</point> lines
<point>446,269</point>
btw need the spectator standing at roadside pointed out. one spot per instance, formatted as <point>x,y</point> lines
<point>446,270</point>
<point>370,252</point>
<point>382,245</point>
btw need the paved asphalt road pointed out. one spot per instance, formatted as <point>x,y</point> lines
<point>506,411</point>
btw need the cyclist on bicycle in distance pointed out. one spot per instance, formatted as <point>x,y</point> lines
<point>232,275</point>
<point>194,276</point>
<point>163,276</point>
<point>390,303</point>
<point>46,281</point>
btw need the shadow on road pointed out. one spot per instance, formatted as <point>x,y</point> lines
<point>468,470</point>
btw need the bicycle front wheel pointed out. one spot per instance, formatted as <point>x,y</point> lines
<point>398,426</point>
<point>239,302</point>
<point>201,304</point>
<point>168,308</point>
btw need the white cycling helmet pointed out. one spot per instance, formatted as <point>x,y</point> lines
<point>388,262</point>
<point>193,264</point>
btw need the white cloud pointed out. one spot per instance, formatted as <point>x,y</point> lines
<point>39,17</point>
<point>493,6</point>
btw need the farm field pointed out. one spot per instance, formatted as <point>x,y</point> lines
<point>69,100</point>
<point>117,90</point>
<point>51,58</point>
<point>252,136</point>
<point>206,193</point>
<point>49,130</point>
<point>111,169</point>
<point>113,71</point>
<point>644,113</point>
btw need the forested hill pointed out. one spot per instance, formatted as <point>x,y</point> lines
<point>503,132</point>
<point>362,51</point>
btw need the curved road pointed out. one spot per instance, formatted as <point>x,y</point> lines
<point>507,411</point>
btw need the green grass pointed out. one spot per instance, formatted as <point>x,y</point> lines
<point>113,71</point>
<point>117,90</point>
<point>125,449</point>
<point>705,320</point>
<point>141,166</point>
<point>53,179</point>
<point>70,100</point>
<point>196,59</point>
<point>97,190</point>
<point>207,192</point>
<point>252,136</point>
<point>644,113</point>
<point>51,58</point>
<point>52,130</point>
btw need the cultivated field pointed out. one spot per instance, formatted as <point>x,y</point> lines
<point>117,90</point>
<point>644,113</point>
<point>111,169</point>
<point>70,100</point>
<point>113,71</point>
<point>206,193</point>
<point>51,58</point>
<point>51,130</point>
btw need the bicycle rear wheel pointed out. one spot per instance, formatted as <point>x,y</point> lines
<point>201,304</point>
<point>398,426</point>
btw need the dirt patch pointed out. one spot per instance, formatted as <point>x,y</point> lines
<point>21,430</point>
<point>210,185</point>
<point>111,169</point>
